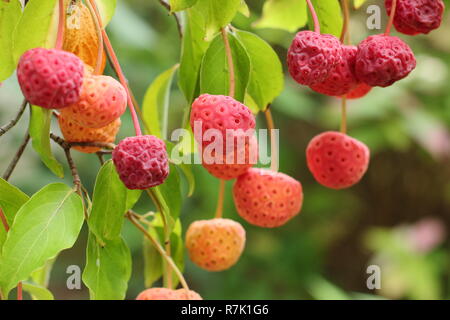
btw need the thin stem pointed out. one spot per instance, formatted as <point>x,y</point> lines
<point>14,121</point>
<point>344,115</point>
<point>273,141</point>
<point>100,158</point>
<point>98,28</point>
<point>391,18</point>
<point>17,157</point>
<point>314,16</point>
<point>346,26</point>
<point>19,291</point>
<point>230,63</point>
<point>118,69</point>
<point>61,26</point>
<point>175,15</point>
<point>73,170</point>
<point>220,199</point>
<point>161,251</point>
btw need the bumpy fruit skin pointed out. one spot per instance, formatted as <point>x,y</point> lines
<point>342,77</point>
<point>168,294</point>
<point>80,36</point>
<point>221,113</point>
<point>234,162</point>
<point>266,198</point>
<point>359,91</point>
<point>141,161</point>
<point>311,56</point>
<point>215,245</point>
<point>336,160</point>
<point>102,100</point>
<point>416,16</point>
<point>50,78</point>
<point>382,60</point>
<point>73,132</point>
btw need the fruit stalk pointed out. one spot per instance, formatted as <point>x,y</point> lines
<point>273,140</point>
<point>345,35</point>
<point>391,18</point>
<point>314,16</point>
<point>220,199</point>
<point>99,28</point>
<point>344,115</point>
<point>61,25</point>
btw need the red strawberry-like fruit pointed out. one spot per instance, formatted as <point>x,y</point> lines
<point>266,198</point>
<point>102,100</point>
<point>359,91</point>
<point>141,161</point>
<point>342,77</point>
<point>312,56</point>
<point>73,132</point>
<point>336,160</point>
<point>216,244</point>
<point>50,78</point>
<point>168,294</point>
<point>221,113</point>
<point>382,60</point>
<point>416,16</point>
<point>231,162</point>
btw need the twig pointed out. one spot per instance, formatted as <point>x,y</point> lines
<point>17,157</point>
<point>64,144</point>
<point>175,15</point>
<point>14,121</point>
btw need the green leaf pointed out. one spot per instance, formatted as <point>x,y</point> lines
<point>11,199</point>
<point>330,17</point>
<point>289,15</point>
<point>106,9</point>
<point>184,167</point>
<point>10,13</point>
<point>153,261</point>
<point>358,3</point>
<point>178,5</point>
<point>37,292</point>
<point>170,193</point>
<point>40,135</point>
<point>109,204</point>
<point>40,17</point>
<point>108,269</point>
<point>214,73</point>
<point>133,196</point>
<point>187,170</point>
<point>244,10</point>
<point>193,48</point>
<point>264,61</point>
<point>217,14</point>
<point>45,225</point>
<point>41,276</point>
<point>155,109</point>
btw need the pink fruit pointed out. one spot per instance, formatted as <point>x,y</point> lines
<point>359,91</point>
<point>336,160</point>
<point>266,198</point>
<point>50,78</point>
<point>215,245</point>
<point>102,100</point>
<point>141,161</point>
<point>312,56</point>
<point>168,294</point>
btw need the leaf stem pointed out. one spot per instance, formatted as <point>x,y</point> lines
<point>220,199</point>
<point>230,63</point>
<point>161,251</point>
<point>118,69</point>
<point>61,25</point>
<point>98,28</point>
<point>314,16</point>
<point>16,119</point>
<point>273,141</point>
<point>391,18</point>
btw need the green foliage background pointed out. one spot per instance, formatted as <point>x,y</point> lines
<point>323,253</point>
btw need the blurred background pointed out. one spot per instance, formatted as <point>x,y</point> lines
<point>397,218</point>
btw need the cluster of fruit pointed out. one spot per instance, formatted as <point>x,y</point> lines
<point>329,67</point>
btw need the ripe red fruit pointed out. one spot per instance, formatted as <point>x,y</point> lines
<point>221,113</point>
<point>336,160</point>
<point>141,161</point>
<point>266,198</point>
<point>342,76</point>
<point>359,91</point>
<point>215,245</point>
<point>102,100</point>
<point>168,294</point>
<point>311,57</point>
<point>73,132</point>
<point>382,60</point>
<point>233,162</point>
<point>416,16</point>
<point>50,78</point>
